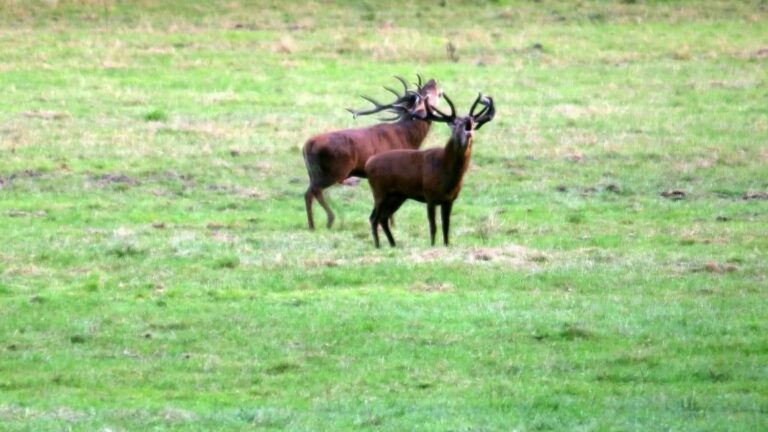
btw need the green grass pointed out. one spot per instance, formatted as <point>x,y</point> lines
<point>156,271</point>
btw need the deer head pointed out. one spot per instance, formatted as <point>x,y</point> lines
<point>408,105</point>
<point>462,127</point>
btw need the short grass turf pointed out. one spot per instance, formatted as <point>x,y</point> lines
<point>156,272</point>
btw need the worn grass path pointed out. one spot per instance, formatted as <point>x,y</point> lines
<point>156,272</point>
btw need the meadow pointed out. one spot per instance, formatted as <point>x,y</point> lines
<point>609,259</point>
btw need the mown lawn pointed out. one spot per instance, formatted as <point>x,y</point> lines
<point>156,272</point>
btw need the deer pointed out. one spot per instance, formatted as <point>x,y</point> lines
<point>433,176</point>
<point>333,157</point>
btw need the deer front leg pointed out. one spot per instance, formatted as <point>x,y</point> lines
<point>432,226</point>
<point>445,213</point>
<point>385,227</point>
<point>375,225</point>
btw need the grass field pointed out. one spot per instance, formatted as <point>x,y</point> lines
<point>156,272</point>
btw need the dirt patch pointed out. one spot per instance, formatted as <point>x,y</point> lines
<point>674,194</point>
<point>432,287</point>
<point>242,192</point>
<point>23,213</point>
<point>12,412</point>
<point>112,178</point>
<point>325,262</point>
<point>715,267</point>
<point>18,175</point>
<point>590,190</point>
<point>46,115</point>
<point>574,157</point>
<point>223,237</point>
<point>203,130</point>
<point>512,255</point>
<point>761,53</point>
<point>215,226</point>
<point>27,173</point>
<point>175,415</point>
<point>755,195</point>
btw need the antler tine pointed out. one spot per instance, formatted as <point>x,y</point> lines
<point>379,107</point>
<point>420,82</point>
<point>482,112</point>
<point>452,116</point>
<point>389,119</point>
<point>397,106</point>
<point>434,114</point>
<point>487,114</point>
<point>477,102</point>
<point>391,90</point>
<point>398,110</point>
<point>405,84</point>
<point>373,101</point>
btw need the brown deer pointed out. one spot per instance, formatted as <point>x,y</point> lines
<point>334,156</point>
<point>432,176</point>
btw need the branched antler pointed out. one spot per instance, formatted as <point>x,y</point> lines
<point>486,114</point>
<point>434,113</point>
<point>396,107</point>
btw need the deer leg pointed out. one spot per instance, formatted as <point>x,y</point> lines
<point>445,213</point>
<point>385,227</point>
<point>391,207</point>
<point>432,226</point>
<point>308,203</point>
<point>318,193</point>
<point>375,225</point>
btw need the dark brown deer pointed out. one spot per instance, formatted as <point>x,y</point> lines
<point>334,156</point>
<point>432,176</point>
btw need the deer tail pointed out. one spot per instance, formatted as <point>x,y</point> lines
<point>310,160</point>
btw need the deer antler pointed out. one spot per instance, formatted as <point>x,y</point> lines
<point>478,101</point>
<point>420,82</point>
<point>405,84</point>
<point>434,113</point>
<point>486,114</point>
<point>393,91</point>
<point>394,106</point>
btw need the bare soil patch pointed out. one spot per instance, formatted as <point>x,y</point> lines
<point>755,195</point>
<point>113,178</point>
<point>510,255</point>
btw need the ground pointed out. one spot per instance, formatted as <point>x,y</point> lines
<point>608,267</point>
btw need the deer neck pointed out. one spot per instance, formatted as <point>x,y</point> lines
<point>414,131</point>
<point>455,163</point>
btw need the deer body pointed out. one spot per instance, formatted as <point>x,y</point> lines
<point>429,176</point>
<point>332,157</point>
<point>432,176</point>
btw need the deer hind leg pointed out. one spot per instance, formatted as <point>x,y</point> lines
<point>432,226</point>
<point>392,204</point>
<point>308,196</point>
<point>385,227</point>
<point>318,194</point>
<point>375,225</point>
<point>445,213</point>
